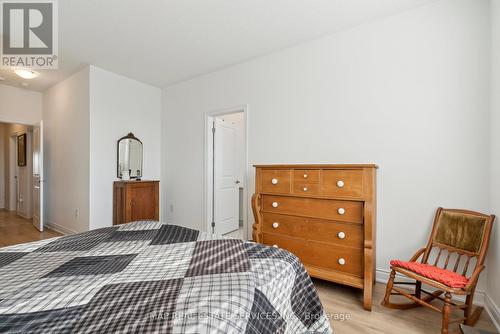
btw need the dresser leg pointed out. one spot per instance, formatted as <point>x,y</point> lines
<point>369,277</point>
<point>367,294</point>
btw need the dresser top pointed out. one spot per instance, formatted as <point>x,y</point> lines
<point>136,181</point>
<point>332,166</point>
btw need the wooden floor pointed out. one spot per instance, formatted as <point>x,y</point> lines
<point>340,302</point>
<point>17,230</point>
<point>344,301</point>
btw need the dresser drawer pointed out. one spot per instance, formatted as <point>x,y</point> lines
<point>317,208</point>
<point>309,175</point>
<point>275,181</point>
<point>342,183</point>
<point>305,188</point>
<point>295,246</point>
<point>342,234</point>
<point>284,225</point>
<point>329,256</point>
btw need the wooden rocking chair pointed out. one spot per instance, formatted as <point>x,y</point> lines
<point>456,235</point>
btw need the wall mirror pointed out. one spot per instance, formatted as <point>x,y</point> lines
<point>129,163</point>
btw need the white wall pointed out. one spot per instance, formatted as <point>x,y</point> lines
<point>19,105</point>
<point>493,263</point>
<point>118,106</point>
<point>408,92</point>
<point>67,153</point>
<point>84,116</point>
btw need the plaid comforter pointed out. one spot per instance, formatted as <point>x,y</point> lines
<point>150,277</point>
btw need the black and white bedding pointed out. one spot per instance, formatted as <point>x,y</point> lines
<point>150,277</point>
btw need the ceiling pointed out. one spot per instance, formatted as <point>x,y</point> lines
<point>161,42</point>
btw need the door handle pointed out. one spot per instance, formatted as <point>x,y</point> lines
<point>237,182</point>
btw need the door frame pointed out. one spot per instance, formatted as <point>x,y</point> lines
<point>41,207</point>
<point>209,116</point>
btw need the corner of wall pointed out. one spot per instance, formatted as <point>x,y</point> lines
<point>493,310</point>
<point>492,298</point>
<point>66,136</point>
<point>119,105</point>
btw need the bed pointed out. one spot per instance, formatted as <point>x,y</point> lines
<point>150,277</point>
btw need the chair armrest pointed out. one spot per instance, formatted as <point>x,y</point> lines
<point>473,279</point>
<point>417,255</point>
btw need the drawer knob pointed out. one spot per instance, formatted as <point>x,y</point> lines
<point>275,204</point>
<point>305,176</point>
<point>275,225</point>
<point>305,188</point>
<point>341,211</point>
<point>341,235</point>
<point>275,246</point>
<point>341,261</point>
<point>340,184</point>
<point>274,181</point>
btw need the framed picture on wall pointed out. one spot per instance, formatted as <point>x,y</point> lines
<point>21,150</point>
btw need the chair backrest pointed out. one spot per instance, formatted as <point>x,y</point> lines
<point>461,232</point>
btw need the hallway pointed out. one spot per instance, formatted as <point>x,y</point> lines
<point>16,230</point>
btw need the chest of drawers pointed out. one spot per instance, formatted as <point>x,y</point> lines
<point>325,215</point>
<point>135,200</point>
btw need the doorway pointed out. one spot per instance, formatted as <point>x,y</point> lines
<point>23,167</point>
<point>226,172</point>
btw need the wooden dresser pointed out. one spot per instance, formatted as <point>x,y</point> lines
<point>135,200</point>
<point>324,214</point>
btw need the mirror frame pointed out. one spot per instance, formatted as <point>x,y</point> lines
<point>129,136</point>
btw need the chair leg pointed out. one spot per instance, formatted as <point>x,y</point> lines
<point>406,306</point>
<point>468,309</point>
<point>446,313</point>
<point>388,289</point>
<point>471,317</point>
<point>418,289</point>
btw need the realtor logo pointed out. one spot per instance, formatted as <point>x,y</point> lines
<point>29,34</point>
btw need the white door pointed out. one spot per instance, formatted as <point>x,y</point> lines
<point>38,176</point>
<point>226,170</point>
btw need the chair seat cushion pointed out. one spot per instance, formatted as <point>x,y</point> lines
<point>446,277</point>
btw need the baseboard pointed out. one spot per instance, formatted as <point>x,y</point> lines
<point>23,216</point>
<point>382,276</point>
<point>493,311</point>
<point>59,228</point>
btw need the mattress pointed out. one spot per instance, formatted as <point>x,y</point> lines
<point>151,277</point>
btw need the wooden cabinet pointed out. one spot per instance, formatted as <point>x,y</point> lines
<point>325,215</point>
<point>135,200</point>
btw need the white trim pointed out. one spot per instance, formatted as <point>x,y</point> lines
<point>492,310</point>
<point>5,120</point>
<point>206,162</point>
<point>382,276</point>
<point>59,228</point>
<point>22,215</point>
